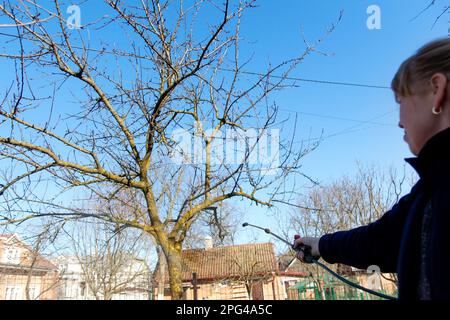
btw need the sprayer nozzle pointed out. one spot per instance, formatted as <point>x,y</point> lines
<point>245,224</point>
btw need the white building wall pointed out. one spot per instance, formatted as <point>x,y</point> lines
<point>73,286</point>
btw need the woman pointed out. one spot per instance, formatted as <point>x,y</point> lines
<point>413,238</point>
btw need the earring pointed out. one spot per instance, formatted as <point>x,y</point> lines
<point>435,111</point>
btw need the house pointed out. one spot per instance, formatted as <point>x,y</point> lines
<point>236,272</point>
<point>320,285</point>
<point>290,267</point>
<point>371,279</point>
<point>80,280</point>
<point>72,285</point>
<point>24,273</point>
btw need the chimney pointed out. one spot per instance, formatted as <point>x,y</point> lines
<point>208,242</point>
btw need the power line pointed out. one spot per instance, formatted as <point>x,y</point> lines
<point>312,80</point>
<point>354,128</point>
<point>340,118</point>
<point>256,73</point>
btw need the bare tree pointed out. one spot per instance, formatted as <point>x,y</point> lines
<point>247,266</point>
<point>250,271</point>
<point>43,242</point>
<point>113,135</point>
<point>220,223</point>
<point>112,261</point>
<point>350,202</point>
<point>29,264</point>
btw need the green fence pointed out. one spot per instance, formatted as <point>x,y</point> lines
<point>328,288</point>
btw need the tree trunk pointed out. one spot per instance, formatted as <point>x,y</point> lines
<point>248,286</point>
<point>162,266</point>
<point>173,258</point>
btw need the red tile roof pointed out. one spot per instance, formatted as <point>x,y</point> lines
<point>228,262</point>
<point>6,235</point>
<point>39,261</point>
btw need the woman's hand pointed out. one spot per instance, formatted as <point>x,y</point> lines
<point>311,242</point>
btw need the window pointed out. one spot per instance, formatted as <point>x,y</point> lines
<point>82,289</point>
<point>11,255</point>
<point>224,283</point>
<point>62,268</point>
<point>12,293</point>
<point>123,296</point>
<point>33,292</point>
<point>70,291</point>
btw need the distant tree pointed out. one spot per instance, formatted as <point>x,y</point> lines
<point>245,268</point>
<point>347,203</point>
<point>221,223</point>
<point>42,246</point>
<point>113,261</point>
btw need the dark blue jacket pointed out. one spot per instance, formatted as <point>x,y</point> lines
<point>393,241</point>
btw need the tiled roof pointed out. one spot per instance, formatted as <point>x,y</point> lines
<point>39,263</point>
<point>43,263</point>
<point>6,236</point>
<point>228,261</point>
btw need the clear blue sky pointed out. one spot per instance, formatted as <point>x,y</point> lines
<point>360,123</point>
<point>359,55</point>
<point>355,55</point>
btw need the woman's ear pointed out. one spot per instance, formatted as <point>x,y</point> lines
<point>439,84</point>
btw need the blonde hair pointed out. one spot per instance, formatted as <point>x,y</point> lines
<point>432,58</point>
